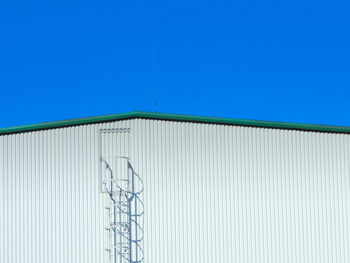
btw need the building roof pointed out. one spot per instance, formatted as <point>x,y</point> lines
<point>175,117</point>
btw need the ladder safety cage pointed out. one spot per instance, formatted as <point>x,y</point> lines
<point>125,210</point>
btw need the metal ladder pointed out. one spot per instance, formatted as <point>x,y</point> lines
<point>125,211</point>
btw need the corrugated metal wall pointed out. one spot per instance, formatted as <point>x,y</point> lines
<point>52,209</point>
<point>213,193</point>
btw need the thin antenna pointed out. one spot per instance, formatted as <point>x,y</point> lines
<point>154,80</point>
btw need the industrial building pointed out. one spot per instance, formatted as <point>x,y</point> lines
<point>153,188</point>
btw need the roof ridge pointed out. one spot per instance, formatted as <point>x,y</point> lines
<point>175,117</point>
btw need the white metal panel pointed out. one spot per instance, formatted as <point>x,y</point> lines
<point>213,193</point>
<point>218,193</point>
<point>52,210</point>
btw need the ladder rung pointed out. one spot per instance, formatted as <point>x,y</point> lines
<point>124,252</point>
<point>114,226</point>
<point>119,204</point>
<point>120,253</point>
<point>115,180</point>
<point>119,244</point>
<point>119,223</point>
<point>117,192</point>
<point>111,205</point>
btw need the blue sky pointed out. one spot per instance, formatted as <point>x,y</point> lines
<point>267,60</point>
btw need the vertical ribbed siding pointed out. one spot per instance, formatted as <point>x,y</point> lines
<point>213,193</point>
<point>3,196</point>
<point>51,209</point>
<point>218,193</point>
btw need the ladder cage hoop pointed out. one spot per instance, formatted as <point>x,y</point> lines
<point>125,213</point>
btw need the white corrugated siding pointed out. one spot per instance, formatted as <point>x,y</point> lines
<point>213,193</point>
<point>52,207</point>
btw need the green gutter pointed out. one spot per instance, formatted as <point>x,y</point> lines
<point>175,117</point>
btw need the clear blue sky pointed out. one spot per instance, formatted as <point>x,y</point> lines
<point>268,60</point>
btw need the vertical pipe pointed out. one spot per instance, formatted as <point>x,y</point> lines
<point>100,183</point>
<point>120,220</point>
<point>114,218</point>
<point>129,210</point>
<point>136,228</point>
<point>129,226</point>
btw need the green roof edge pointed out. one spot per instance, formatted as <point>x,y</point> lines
<point>175,117</point>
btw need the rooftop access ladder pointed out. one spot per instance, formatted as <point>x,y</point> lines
<point>125,211</point>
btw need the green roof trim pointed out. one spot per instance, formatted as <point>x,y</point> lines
<point>175,117</point>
